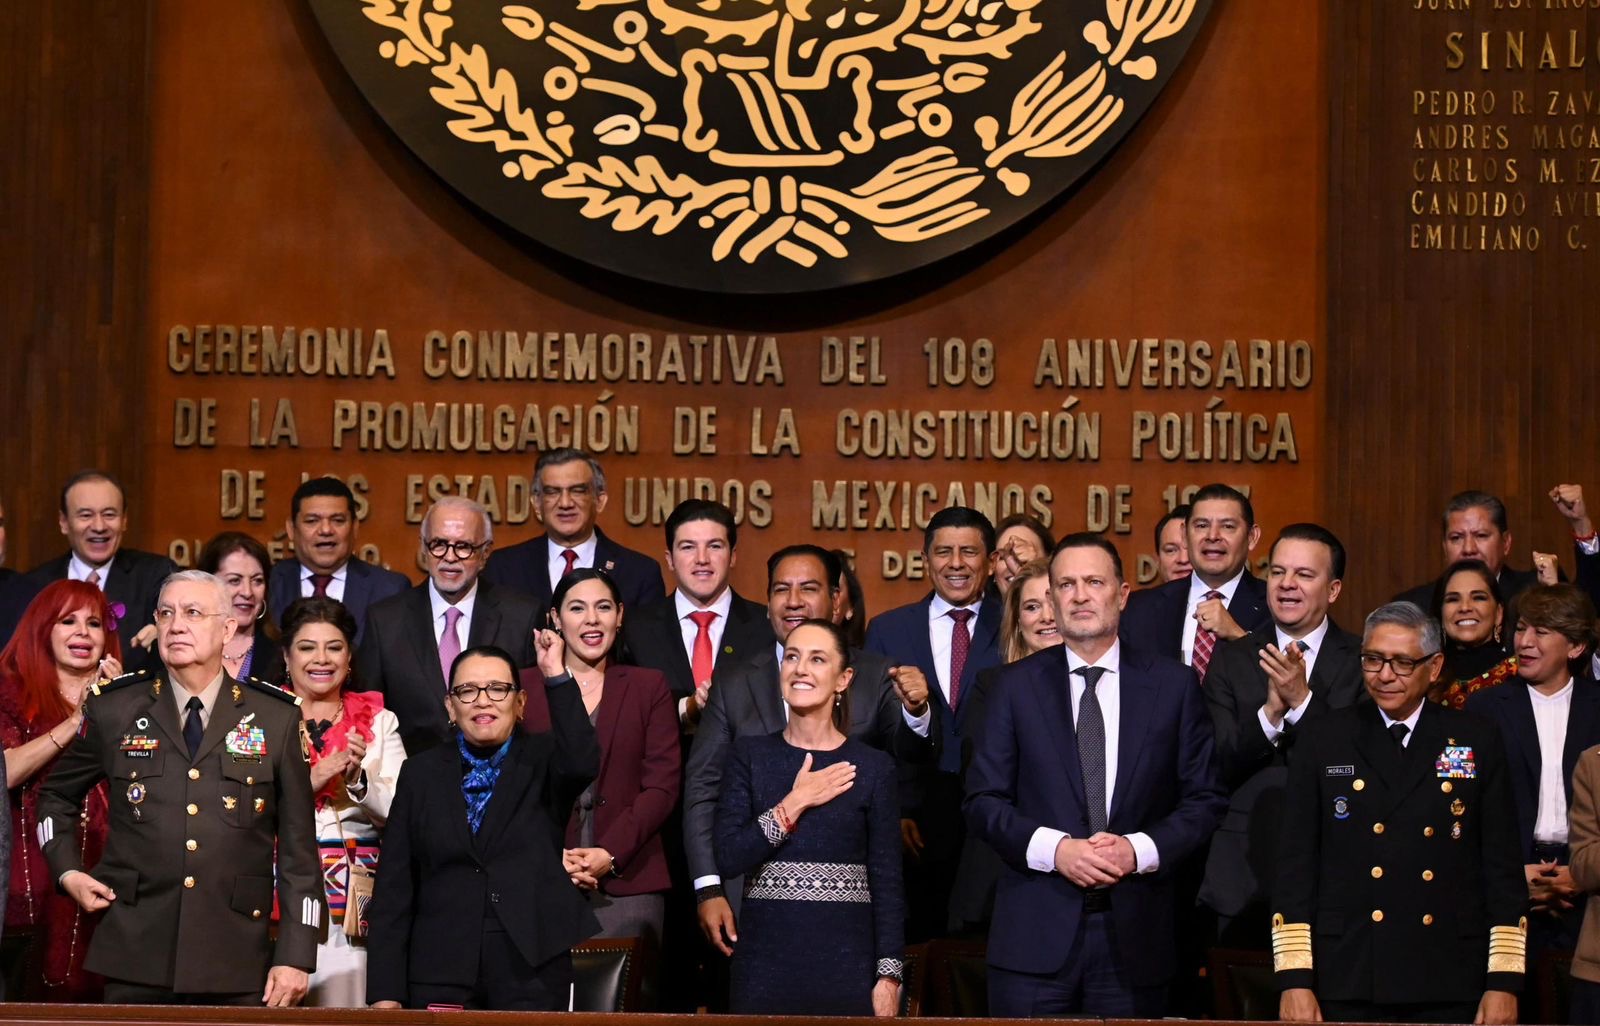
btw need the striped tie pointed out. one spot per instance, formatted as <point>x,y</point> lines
<point>1205,642</point>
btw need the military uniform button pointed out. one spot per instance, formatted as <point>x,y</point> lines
<point>188,882</point>
<point>1377,872</point>
<point>255,913</point>
<point>191,844</point>
<point>1359,785</point>
<point>1447,787</point>
<point>249,780</point>
<point>193,809</point>
<point>1427,874</point>
<point>1377,828</point>
<point>194,774</point>
<point>1377,915</point>
<point>1427,920</point>
<point>134,775</point>
<point>1427,831</point>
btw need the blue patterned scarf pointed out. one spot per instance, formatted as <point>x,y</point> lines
<point>477,783</point>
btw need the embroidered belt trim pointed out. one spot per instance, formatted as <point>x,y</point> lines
<point>810,881</point>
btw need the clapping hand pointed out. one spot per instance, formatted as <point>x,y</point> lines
<point>1286,680</point>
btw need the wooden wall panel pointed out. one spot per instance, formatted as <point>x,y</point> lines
<point>1450,370</point>
<point>73,203</point>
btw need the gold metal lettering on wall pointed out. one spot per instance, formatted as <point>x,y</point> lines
<point>761,146</point>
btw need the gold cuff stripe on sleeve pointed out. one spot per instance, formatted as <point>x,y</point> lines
<point>1508,949</point>
<point>1507,964</point>
<point>1291,945</point>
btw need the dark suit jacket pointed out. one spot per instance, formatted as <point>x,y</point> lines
<point>1367,831</point>
<point>654,637</point>
<point>399,656</point>
<point>266,660</point>
<point>1153,620</point>
<point>1239,867</point>
<point>364,586</point>
<point>526,566</point>
<point>1512,711</point>
<point>750,702</point>
<point>1025,775</point>
<point>901,635</point>
<point>438,882</point>
<point>1588,572</point>
<point>640,772</point>
<point>136,579</point>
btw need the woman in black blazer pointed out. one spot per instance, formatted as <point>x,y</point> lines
<point>473,907</point>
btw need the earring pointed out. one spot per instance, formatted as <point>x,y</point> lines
<point>837,699</point>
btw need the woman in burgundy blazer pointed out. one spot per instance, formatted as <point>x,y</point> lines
<point>614,849</point>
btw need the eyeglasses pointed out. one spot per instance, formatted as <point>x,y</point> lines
<point>438,548</point>
<point>1402,666</point>
<point>497,690</point>
<point>574,492</point>
<point>190,614</point>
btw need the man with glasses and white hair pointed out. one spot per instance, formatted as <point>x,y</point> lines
<point>210,812</point>
<point>413,637</point>
<point>569,494</point>
<point>1399,894</point>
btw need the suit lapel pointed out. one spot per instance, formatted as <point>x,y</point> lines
<point>1580,729</point>
<point>1248,600</point>
<point>1519,714</point>
<point>609,713</point>
<point>164,711</point>
<point>355,588</point>
<point>508,791</point>
<point>767,696</point>
<point>1174,598</point>
<point>1132,728</point>
<point>669,639</point>
<point>1416,765</point>
<point>225,715</point>
<point>420,616</point>
<point>1055,695</point>
<point>1377,748</point>
<point>485,615</point>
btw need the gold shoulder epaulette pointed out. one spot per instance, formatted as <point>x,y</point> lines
<point>1291,945</point>
<point>1508,948</point>
<point>103,685</point>
<point>282,694</point>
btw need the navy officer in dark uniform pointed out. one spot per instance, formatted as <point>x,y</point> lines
<point>1399,893</point>
<point>207,780</point>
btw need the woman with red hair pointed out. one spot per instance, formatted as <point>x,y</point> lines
<point>65,642</point>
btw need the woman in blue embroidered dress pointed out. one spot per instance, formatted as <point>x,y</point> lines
<point>811,820</point>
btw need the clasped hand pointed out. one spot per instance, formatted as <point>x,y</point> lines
<point>1100,861</point>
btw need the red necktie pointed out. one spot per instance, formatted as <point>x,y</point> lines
<point>702,662</point>
<point>960,644</point>
<point>571,556</point>
<point>1204,642</point>
<point>319,585</point>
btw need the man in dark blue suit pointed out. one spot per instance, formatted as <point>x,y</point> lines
<point>569,493</point>
<point>322,528</point>
<point>1094,779</point>
<point>950,636</point>
<point>1188,618</point>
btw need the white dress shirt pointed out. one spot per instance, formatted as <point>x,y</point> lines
<point>335,587</point>
<point>1313,642</point>
<point>439,605</point>
<point>1042,847</point>
<point>941,631</point>
<point>1197,595</point>
<point>1409,721</point>
<point>78,570</point>
<point>558,562</point>
<point>1550,714</point>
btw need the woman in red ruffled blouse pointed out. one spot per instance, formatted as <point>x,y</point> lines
<point>67,639</point>
<point>356,753</point>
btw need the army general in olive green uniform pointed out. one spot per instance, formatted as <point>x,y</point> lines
<point>207,779</point>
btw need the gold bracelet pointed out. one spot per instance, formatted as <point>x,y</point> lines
<point>52,736</point>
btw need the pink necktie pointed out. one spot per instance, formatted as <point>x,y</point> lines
<point>1204,642</point>
<point>960,643</point>
<point>93,578</point>
<point>449,642</point>
<point>702,662</point>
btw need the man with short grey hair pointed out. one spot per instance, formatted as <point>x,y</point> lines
<point>412,638</point>
<point>210,820</point>
<point>569,494</point>
<point>1400,893</point>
